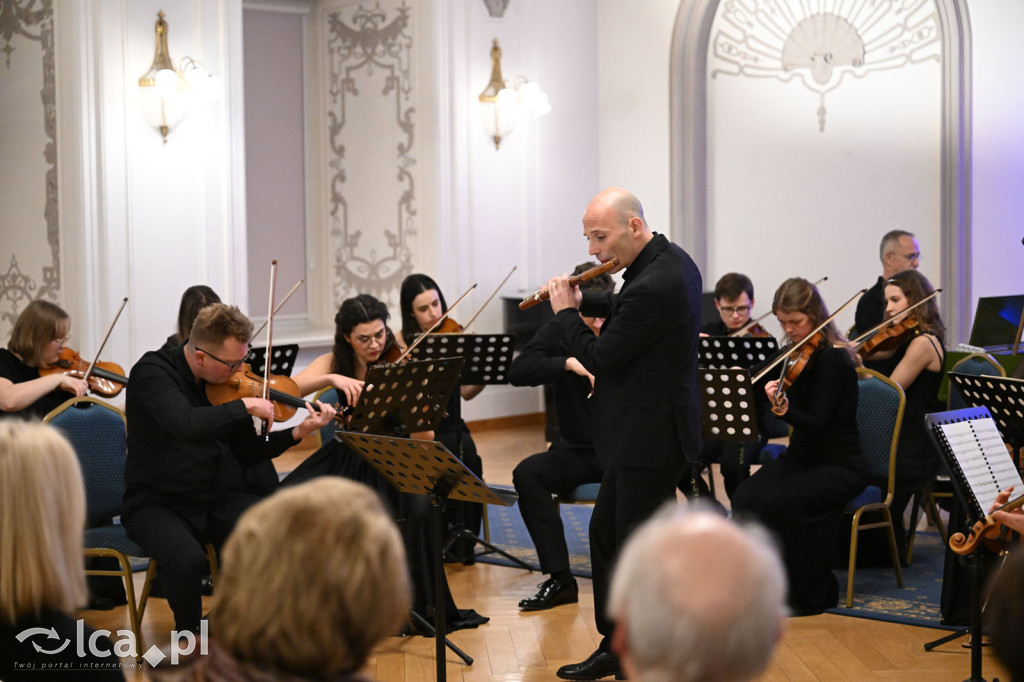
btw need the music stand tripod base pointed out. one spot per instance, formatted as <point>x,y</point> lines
<point>422,467</point>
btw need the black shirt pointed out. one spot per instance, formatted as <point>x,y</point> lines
<point>542,361</point>
<point>177,439</point>
<point>870,308</point>
<point>18,372</point>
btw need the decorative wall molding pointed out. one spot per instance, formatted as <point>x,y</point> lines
<point>369,56</point>
<point>688,125</point>
<point>26,34</point>
<point>821,46</point>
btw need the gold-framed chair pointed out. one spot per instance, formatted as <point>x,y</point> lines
<point>880,405</point>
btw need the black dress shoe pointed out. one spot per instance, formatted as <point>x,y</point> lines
<point>599,664</point>
<point>552,592</point>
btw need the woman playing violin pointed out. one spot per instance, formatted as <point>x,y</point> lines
<point>422,303</point>
<point>917,365</point>
<point>800,496</point>
<point>361,339</point>
<point>39,335</point>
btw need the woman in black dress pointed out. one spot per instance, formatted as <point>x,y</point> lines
<point>800,496</point>
<point>361,339</point>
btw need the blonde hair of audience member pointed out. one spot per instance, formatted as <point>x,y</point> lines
<point>314,576</point>
<point>696,597</point>
<point>42,517</point>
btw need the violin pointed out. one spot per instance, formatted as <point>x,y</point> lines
<point>106,379</point>
<point>889,338</point>
<point>987,530</point>
<point>756,330</point>
<point>449,326</point>
<point>574,281</point>
<point>283,393</point>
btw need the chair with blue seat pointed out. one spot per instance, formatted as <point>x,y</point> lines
<point>96,430</point>
<point>880,405</point>
<point>327,395</point>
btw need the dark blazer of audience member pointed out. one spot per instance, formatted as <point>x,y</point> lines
<point>42,575</point>
<point>302,600</point>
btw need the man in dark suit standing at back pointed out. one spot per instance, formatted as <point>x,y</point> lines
<point>646,402</point>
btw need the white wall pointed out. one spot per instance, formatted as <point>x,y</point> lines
<point>997,254</point>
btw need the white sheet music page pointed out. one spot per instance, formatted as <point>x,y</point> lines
<point>983,458</point>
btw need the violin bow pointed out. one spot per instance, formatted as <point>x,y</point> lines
<point>797,346</point>
<point>270,334</point>
<point>743,330</point>
<point>493,293</point>
<point>433,326</point>
<point>279,306</point>
<point>892,320</point>
<point>103,344</point>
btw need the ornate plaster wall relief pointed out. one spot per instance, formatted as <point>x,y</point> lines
<point>29,229</point>
<point>820,44</point>
<point>370,161</point>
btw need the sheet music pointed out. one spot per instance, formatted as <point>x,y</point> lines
<point>984,461</point>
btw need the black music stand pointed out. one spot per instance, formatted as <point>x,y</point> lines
<point>736,351</point>
<point>406,398</point>
<point>964,487</point>
<point>487,358</point>
<point>1003,396</point>
<point>427,468</point>
<point>282,359</point>
<point>727,405</point>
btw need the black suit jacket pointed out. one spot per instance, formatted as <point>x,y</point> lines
<point>646,401</point>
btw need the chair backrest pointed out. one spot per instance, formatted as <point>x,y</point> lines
<point>327,395</point>
<point>282,359</point>
<point>880,404</point>
<point>977,365</point>
<point>96,429</point>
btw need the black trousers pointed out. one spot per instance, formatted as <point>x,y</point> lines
<point>177,544</point>
<point>628,497</point>
<point>803,507</point>
<point>536,479</point>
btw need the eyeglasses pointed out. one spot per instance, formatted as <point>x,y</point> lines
<point>63,339</point>
<point>232,366</point>
<point>913,256</point>
<point>366,339</point>
<point>738,310</point>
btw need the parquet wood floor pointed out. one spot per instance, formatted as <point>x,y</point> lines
<point>531,646</point>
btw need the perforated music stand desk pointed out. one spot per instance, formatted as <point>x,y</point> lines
<point>487,356</point>
<point>423,467</point>
<point>406,398</point>
<point>727,405</point>
<point>736,351</point>
<point>1004,398</point>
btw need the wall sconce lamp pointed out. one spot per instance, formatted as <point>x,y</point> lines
<point>503,101</point>
<point>167,89</point>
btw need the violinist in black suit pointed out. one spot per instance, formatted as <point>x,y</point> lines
<point>646,402</point>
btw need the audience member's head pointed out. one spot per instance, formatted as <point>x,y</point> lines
<point>696,597</point>
<point>193,300</point>
<point>898,251</point>
<point>313,577</point>
<point>42,516</point>
<point>1004,615</point>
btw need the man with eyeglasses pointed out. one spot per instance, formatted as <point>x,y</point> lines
<point>734,299</point>
<point>898,251</point>
<point>180,446</point>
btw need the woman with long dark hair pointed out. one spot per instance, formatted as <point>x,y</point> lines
<point>422,303</point>
<point>361,339</point>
